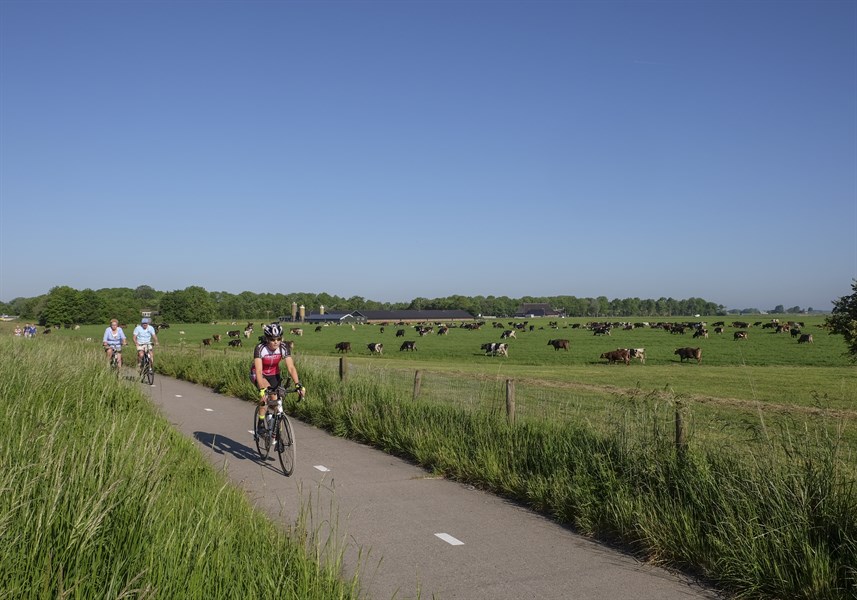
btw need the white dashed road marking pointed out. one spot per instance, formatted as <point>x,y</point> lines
<point>209,410</point>
<point>178,395</point>
<point>322,468</point>
<point>449,539</point>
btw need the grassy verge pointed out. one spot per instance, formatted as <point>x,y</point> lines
<point>101,498</point>
<point>775,519</point>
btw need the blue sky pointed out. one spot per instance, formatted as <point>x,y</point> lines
<point>394,150</point>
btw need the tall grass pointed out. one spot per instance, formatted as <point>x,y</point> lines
<point>777,519</point>
<point>101,498</point>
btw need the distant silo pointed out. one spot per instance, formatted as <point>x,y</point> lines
<point>294,311</point>
<point>302,311</point>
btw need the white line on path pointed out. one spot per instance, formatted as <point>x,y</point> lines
<point>322,468</point>
<point>178,395</point>
<point>449,539</point>
<point>209,410</point>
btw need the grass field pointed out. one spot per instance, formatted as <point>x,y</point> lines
<point>763,501</point>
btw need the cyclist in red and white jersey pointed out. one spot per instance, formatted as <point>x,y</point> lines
<point>267,356</point>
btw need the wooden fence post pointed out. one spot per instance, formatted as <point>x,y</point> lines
<point>418,377</point>
<point>510,401</point>
<point>343,368</point>
<point>680,430</point>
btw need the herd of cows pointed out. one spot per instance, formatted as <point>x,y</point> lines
<point>501,348</point>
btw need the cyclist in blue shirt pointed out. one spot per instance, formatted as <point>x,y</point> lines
<point>113,340</point>
<point>144,335</point>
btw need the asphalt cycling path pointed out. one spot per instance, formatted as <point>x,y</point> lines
<point>410,534</point>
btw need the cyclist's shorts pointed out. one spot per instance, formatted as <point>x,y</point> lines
<point>143,347</point>
<point>273,380</point>
<point>117,349</point>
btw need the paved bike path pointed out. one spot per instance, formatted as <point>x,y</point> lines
<point>414,535</point>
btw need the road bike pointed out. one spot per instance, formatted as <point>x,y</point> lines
<point>147,370</point>
<point>275,430</point>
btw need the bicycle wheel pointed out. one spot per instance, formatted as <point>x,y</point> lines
<point>150,375</point>
<point>261,435</point>
<point>286,444</point>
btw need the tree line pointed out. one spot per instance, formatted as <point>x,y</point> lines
<point>64,305</point>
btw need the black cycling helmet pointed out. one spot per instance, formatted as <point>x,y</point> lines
<point>273,331</point>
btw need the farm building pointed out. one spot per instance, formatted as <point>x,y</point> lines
<point>414,316</point>
<point>538,310</point>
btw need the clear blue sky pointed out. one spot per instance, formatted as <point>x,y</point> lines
<point>394,150</point>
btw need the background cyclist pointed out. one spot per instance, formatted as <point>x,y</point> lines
<point>267,355</point>
<point>144,334</point>
<point>113,340</point>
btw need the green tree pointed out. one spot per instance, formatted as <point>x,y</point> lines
<point>63,305</point>
<point>843,320</point>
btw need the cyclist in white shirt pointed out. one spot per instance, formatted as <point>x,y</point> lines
<point>144,335</point>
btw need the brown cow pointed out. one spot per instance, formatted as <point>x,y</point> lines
<point>343,347</point>
<point>206,342</point>
<point>557,344</point>
<point>618,355</point>
<point>689,353</point>
<point>235,343</point>
<point>215,337</point>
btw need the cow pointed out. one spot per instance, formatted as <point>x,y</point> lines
<point>495,348</point>
<point>400,333</point>
<point>557,344</point>
<point>247,332</point>
<point>411,346</point>
<point>703,333</point>
<point>618,355</point>
<point>718,330</point>
<point>234,333</point>
<point>296,331</point>
<point>343,347</point>
<point>206,342</point>
<point>443,330</point>
<point>795,332</point>
<point>509,333</point>
<point>689,353</point>
<point>805,338</point>
<point>216,337</point>
<point>318,327</point>
<point>638,353</point>
<point>739,335</point>
<point>235,343</point>
<point>376,348</point>
<point>601,331</point>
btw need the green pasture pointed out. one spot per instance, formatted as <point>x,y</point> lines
<point>770,368</point>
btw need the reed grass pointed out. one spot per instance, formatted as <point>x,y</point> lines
<point>101,498</point>
<point>772,519</point>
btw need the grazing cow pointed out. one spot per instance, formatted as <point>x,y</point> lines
<point>443,330</point>
<point>495,348</point>
<point>638,353</point>
<point>601,331</point>
<point>235,343</point>
<point>376,348</point>
<point>688,353</point>
<point>296,331</point>
<point>795,332</point>
<point>234,333</point>
<point>408,346</point>
<point>382,330</point>
<point>718,330</point>
<point>216,337</point>
<point>509,333</point>
<point>206,342</point>
<point>318,327</point>
<point>247,332</point>
<point>343,347</point>
<point>805,338</point>
<point>557,344</point>
<point>703,333</point>
<point>400,333</point>
<point>618,355</point>
<point>739,335</point>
